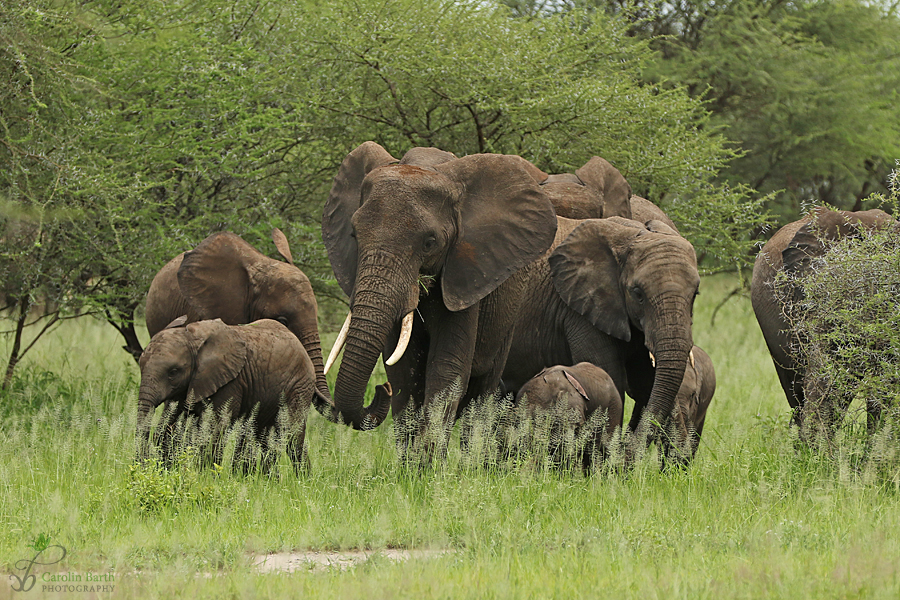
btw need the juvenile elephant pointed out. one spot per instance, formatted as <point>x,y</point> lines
<point>435,253</point>
<point>233,371</point>
<point>568,398</point>
<point>612,292</point>
<point>226,278</point>
<point>792,250</point>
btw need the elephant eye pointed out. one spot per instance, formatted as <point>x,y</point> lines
<point>282,320</point>
<point>174,371</point>
<point>638,294</point>
<point>430,243</point>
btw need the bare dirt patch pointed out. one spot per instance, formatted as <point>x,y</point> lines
<point>323,560</point>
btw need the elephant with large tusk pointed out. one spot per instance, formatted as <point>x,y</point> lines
<point>435,253</point>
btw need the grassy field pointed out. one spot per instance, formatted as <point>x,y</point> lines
<point>753,517</point>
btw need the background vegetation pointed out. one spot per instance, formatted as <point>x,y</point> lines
<point>131,131</point>
<point>805,91</point>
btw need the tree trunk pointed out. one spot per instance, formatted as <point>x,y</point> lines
<point>24,305</point>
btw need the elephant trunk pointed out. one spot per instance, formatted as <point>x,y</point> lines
<point>374,314</point>
<point>147,403</point>
<point>313,347</point>
<point>671,347</point>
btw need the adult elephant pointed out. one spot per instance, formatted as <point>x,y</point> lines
<point>435,253</point>
<point>792,250</point>
<point>618,294</point>
<point>226,278</point>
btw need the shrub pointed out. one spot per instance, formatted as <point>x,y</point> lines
<point>846,311</point>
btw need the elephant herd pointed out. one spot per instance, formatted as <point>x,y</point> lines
<point>474,278</point>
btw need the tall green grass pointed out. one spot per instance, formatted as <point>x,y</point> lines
<point>754,516</point>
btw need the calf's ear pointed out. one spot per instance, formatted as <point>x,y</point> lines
<point>221,354</point>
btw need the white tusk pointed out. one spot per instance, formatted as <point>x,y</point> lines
<point>339,342</point>
<point>405,333</point>
<point>692,358</point>
<point>652,360</point>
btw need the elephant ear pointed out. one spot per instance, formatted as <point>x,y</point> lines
<point>426,157</point>
<point>571,198</point>
<point>214,278</point>
<point>178,322</point>
<point>281,244</point>
<point>576,384</point>
<point>505,222</point>
<point>615,191</point>
<point>585,270</point>
<point>344,200</point>
<point>221,353</point>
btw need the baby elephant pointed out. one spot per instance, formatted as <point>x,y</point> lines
<point>566,399</point>
<point>237,371</point>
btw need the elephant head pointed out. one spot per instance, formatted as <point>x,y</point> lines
<point>594,191</point>
<point>184,365</point>
<point>625,276</point>
<point>224,277</point>
<point>453,228</point>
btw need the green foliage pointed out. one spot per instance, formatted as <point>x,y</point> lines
<point>805,91</point>
<point>151,487</point>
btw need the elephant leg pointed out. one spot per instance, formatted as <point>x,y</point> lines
<point>822,412</point>
<point>292,429</point>
<point>792,383</point>
<point>165,436</point>
<point>588,344</point>
<point>407,379</point>
<point>641,375</point>
<point>449,365</point>
<point>223,413</point>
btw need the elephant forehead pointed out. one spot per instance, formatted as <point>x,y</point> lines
<point>653,246</point>
<point>278,278</point>
<point>168,343</point>
<point>405,182</point>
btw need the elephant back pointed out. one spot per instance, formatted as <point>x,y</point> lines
<point>165,302</point>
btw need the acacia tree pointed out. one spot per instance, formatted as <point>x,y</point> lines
<point>167,121</point>
<point>556,90</point>
<point>804,90</point>
<point>40,140</point>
